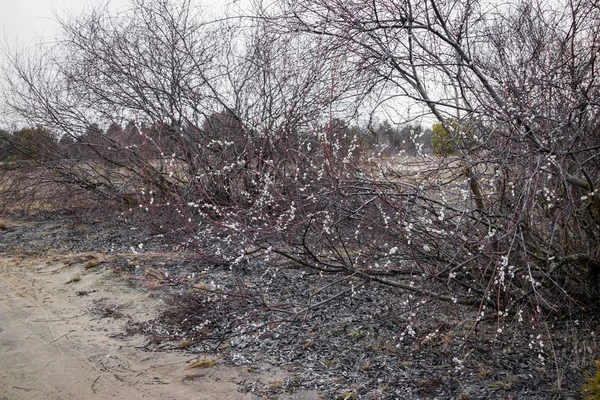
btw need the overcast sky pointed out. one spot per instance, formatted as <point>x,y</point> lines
<point>24,21</point>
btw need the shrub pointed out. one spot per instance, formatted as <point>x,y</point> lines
<point>444,143</point>
<point>38,144</point>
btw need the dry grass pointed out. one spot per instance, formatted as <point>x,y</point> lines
<point>201,364</point>
<point>73,279</point>
<point>93,263</point>
<point>31,188</point>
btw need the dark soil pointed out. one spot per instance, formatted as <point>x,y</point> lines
<point>347,338</point>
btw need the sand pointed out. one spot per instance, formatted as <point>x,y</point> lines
<point>61,337</point>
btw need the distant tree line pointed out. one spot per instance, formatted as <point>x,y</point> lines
<point>153,141</point>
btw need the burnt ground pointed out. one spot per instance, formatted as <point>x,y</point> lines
<point>346,339</point>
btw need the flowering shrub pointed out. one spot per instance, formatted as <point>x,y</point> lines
<point>235,138</point>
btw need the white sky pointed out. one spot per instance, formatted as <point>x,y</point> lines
<point>24,21</point>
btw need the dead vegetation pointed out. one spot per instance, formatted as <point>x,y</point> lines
<point>372,340</point>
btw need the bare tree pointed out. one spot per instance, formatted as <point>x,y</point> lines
<point>236,134</point>
<point>517,211</point>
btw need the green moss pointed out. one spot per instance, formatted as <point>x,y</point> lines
<point>591,387</point>
<point>349,395</point>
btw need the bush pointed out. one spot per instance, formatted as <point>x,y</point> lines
<point>444,143</point>
<point>37,144</point>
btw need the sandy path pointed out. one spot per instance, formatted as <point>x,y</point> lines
<point>52,346</point>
